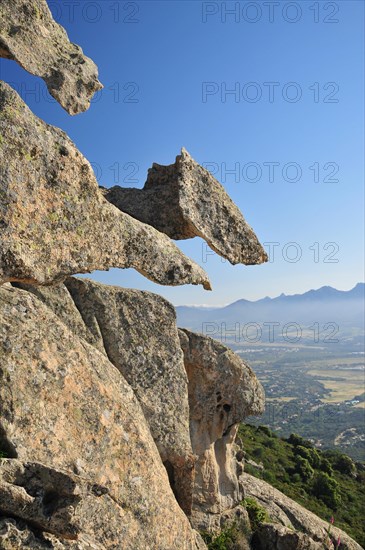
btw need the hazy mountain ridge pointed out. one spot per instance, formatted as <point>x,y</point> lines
<point>324,305</point>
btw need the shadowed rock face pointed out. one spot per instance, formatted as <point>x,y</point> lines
<point>137,332</point>
<point>30,36</point>
<point>277,537</point>
<point>287,514</point>
<point>63,404</point>
<point>223,391</point>
<point>54,221</point>
<point>184,201</point>
<point>16,534</point>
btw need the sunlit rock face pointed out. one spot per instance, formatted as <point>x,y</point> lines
<point>55,222</point>
<point>64,405</point>
<point>30,36</point>
<point>184,201</point>
<point>137,332</point>
<point>223,391</point>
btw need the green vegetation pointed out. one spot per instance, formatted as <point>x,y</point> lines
<point>328,482</point>
<point>225,540</point>
<point>256,513</point>
<point>326,488</point>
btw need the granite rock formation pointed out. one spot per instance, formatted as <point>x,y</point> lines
<point>137,332</point>
<point>184,201</point>
<point>30,36</point>
<point>54,220</point>
<point>223,391</point>
<point>64,405</point>
<point>16,534</point>
<point>118,429</point>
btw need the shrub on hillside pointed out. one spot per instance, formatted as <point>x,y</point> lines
<point>310,454</point>
<point>303,468</point>
<point>265,430</point>
<point>230,538</point>
<point>327,489</point>
<point>340,462</point>
<point>345,465</point>
<point>256,513</point>
<point>295,439</point>
<point>325,466</point>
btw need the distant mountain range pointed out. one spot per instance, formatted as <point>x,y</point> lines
<point>325,305</point>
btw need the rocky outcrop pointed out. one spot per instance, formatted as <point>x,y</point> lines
<point>277,537</point>
<point>55,222</point>
<point>184,201</point>
<point>30,36</point>
<point>64,405</point>
<point>113,422</point>
<point>293,517</point>
<point>47,499</point>
<point>58,298</point>
<point>16,534</point>
<point>223,391</point>
<point>137,332</point>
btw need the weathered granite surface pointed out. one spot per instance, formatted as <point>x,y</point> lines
<point>184,200</point>
<point>63,404</point>
<point>51,500</point>
<point>16,534</point>
<point>54,221</point>
<point>30,36</point>
<point>223,391</point>
<point>137,332</point>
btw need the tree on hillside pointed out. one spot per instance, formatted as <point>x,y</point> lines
<point>327,489</point>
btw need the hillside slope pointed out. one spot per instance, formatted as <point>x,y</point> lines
<point>327,483</point>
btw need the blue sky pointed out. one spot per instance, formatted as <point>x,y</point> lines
<point>166,66</point>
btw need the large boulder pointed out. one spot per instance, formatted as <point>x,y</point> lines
<point>137,332</point>
<point>30,36</point>
<point>184,201</point>
<point>54,221</point>
<point>223,391</point>
<point>65,405</point>
<point>283,511</point>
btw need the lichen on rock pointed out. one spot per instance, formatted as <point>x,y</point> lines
<point>30,36</point>
<point>64,405</point>
<point>54,221</point>
<point>137,332</point>
<point>184,201</point>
